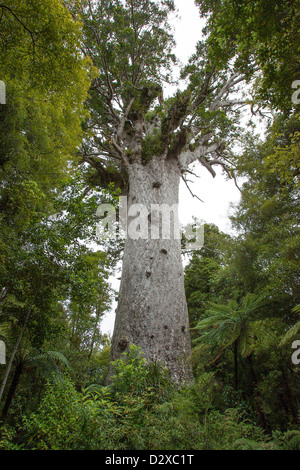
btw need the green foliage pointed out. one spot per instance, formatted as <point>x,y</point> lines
<point>41,120</point>
<point>130,39</point>
<point>293,331</point>
<point>130,44</point>
<point>60,420</point>
<point>136,418</point>
<point>202,274</point>
<point>132,375</point>
<point>284,161</point>
<point>257,32</point>
<point>43,39</point>
<point>267,218</point>
<point>262,259</point>
<point>289,440</point>
<point>7,435</point>
<point>227,324</point>
<point>235,431</point>
<point>153,145</point>
<point>47,81</point>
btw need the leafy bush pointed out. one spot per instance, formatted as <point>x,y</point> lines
<point>7,436</point>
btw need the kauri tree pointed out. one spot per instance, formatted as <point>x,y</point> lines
<point>145,144</point>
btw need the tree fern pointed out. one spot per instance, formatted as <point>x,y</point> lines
<point>231,325</point>
<point>294,330</point>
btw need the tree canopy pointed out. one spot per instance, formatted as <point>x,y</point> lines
<point>248,33</point>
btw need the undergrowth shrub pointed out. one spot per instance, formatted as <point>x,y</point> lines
<point>141,409</point>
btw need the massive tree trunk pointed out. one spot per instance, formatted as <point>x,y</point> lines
<point>130,122</point>
<point>152,310</point>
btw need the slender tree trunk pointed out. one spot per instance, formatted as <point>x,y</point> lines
<point>152,309</point>
<point>12,357</point>
<point>235,358</point>
<point>289,395</point>
<point>257,395</point>
<point>12,389</point>
<point>98,313</point>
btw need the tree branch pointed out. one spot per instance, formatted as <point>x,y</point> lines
<point>227,170</point>
<point>190,156</point>
<point>123,120</point>
<point>4,7</point>
<point>204,90</point>
<point>207,165</point>
<point>194,195</point>
<point>231,82</point>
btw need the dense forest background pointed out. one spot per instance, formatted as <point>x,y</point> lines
<point>242,290</point>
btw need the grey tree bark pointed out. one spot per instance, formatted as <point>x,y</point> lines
<point>152,311</point>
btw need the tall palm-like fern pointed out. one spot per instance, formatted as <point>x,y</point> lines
<point>230,325</point>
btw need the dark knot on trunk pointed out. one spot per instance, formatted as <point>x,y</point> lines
<point>123,344</point>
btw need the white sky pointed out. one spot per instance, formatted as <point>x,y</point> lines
<point>216,193</point>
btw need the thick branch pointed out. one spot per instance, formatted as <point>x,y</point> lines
<point>190,156</point>
<point>123,120</point>
<point>229,85</point>
<point>204,90</point>
<point>226,169</point>
<point>207,165</point>
<point>227,104</point>
<point>231,82</point>
<point>106,177</point>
